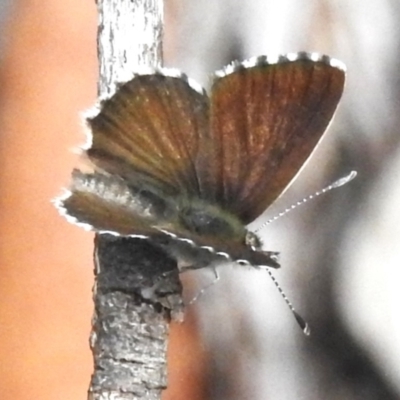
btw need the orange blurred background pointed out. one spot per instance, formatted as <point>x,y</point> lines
<point>48,77</point>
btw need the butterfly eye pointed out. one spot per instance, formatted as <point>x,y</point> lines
<point>253,241</point>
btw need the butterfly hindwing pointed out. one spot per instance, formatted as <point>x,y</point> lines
<point>106,204</point>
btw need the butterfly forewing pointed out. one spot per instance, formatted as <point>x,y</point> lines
<point>149,132</point>
<point>266,119</point>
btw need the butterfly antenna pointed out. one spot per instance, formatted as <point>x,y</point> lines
<point>205,288</point>
<point>340,182</point>
<point>301,322</point>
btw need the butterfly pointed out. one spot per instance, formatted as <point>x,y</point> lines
<point>188,171</point>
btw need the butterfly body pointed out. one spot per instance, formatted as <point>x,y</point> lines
<point>189,171</point>
<point>145,214</point>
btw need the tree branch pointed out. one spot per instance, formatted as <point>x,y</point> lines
<point>137,287</point>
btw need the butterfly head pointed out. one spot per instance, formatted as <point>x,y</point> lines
<point>253,241</point>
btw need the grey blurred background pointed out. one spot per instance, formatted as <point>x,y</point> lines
<point>340,253</point>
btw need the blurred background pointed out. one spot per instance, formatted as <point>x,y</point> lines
<point>340,253</point>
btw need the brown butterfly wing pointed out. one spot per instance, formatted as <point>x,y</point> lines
<point>106,204</point>
<point>266,120</point>
<point>149,132</point>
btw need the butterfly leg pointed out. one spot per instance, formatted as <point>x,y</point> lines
<point>205,288</point>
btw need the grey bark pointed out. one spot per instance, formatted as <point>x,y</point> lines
<point>137,287</point>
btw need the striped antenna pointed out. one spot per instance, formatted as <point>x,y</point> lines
<point>299,319</point>
<point>340,182</point>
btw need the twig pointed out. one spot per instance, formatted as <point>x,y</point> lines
<point>133,279</point>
